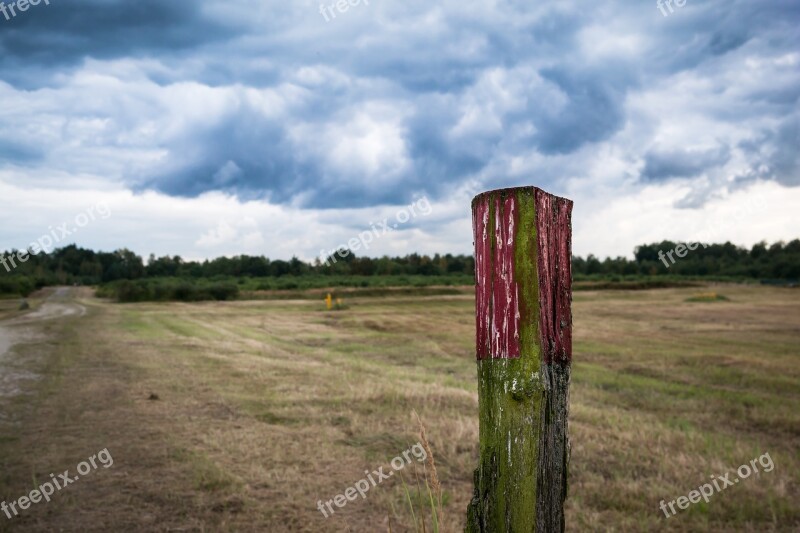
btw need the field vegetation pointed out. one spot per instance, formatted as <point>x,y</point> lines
<point>241,415</point>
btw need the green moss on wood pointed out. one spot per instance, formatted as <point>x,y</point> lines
<point>511,394</point>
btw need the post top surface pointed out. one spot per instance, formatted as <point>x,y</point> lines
<point>508,191</point>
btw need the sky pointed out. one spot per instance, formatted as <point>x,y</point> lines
<point>289,128</point>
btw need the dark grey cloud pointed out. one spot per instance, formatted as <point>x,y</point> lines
<point>254,157</point>
<point>433,94</point>
<point>65,32</point>
<point>437,160</point>
<point>774,155</point>
<point>593,113</point>
<point>682,163</point>
<point>690,38</point>
<point>14,152</point>
<point>242,154</point>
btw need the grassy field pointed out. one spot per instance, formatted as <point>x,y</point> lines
<point>240,416</point>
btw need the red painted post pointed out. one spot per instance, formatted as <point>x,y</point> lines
<point>523,299</point>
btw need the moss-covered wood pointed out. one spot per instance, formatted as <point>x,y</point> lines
<point>523,345</point>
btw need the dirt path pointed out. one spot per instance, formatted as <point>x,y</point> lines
<point>27,328</point>
<point>57,305</point>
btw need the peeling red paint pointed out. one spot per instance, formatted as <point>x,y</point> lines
<point>496,220</point>
<point>505,309</point>
<point>497,293</point>
<point>553,222</point>
<point>483,275</point>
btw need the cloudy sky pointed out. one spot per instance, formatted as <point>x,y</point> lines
<point>287,127</point>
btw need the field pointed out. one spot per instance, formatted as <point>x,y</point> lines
<point>240,416</point>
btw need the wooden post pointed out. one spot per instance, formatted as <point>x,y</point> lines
<point>524,349</point>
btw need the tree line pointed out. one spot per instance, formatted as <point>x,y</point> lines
<point>778,261</point>
<point>75,265</point>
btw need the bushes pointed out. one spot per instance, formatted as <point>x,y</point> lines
<point>168,289</point>
<point>17,285</point>
<point>223,291</point>
<point>222,288</point>
<point>312,281</point>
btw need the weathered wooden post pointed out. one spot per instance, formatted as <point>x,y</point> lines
<point>524,349</point>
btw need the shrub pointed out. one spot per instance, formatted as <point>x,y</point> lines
<point>167,289</point>
<point>17,285</point>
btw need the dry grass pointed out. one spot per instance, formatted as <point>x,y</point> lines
<point>266,407</point>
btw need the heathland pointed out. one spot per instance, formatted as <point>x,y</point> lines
<point>242,415</point>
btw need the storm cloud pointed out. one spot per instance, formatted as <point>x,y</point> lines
<point>268,101</point>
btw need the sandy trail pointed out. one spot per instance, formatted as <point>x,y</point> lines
<point>23,329</point>
<point>58,305</point>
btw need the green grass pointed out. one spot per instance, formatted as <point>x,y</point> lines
<point>708,297</point>
<point>207,475</point>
